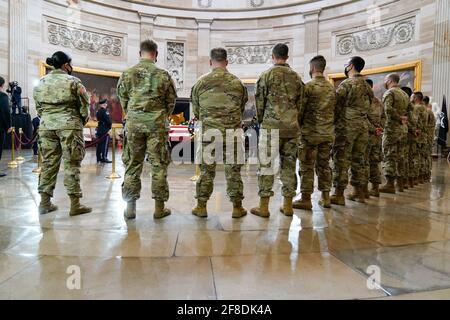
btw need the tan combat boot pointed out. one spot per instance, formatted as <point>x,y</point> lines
<point>420,179</point>
<point>46,205</point>
<point>400,185</point>
<point>365,190</point>
<point>411,182</point>
<point>76,208</point>
<point>130,211</point>
<point>389,187</point>
<point>160,210</point>
<point>287,209</point>
<point>263,209</point>
<point>238,210</point>
<point>304,203</point>
<point>416,181</point>
<point>357,195</point>
<point>375,192</point>
<point>325,201</point>
<point>405,183</point>
<point>200,210</point>
<point>338,197</point>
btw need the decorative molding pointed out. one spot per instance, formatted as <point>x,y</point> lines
<point>175,62</point>
<point>251,53</point>
<point>256,3</point>
<point>81,38</point>
<point>376,38</point>
<point>204,3</point>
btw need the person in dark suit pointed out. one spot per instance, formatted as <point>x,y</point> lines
<point>5,118</point>
<point>36,123</point>
<point>104,125</point>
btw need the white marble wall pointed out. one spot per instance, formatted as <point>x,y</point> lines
<point>308,27</point>
<point>4,39</point>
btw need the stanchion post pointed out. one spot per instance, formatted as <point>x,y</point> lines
<point>39,167</point>
<point>13,163</point>
<point>113,174</point>
<point>19,149</point>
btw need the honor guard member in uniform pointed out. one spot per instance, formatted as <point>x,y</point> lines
<point>62,103</point>
<point>279,97</point>
<point>317,135</point>
<point>104,125</point>
<point>376,119</point>
<point>421,113</point>
<point>147,95</point>
<point>218,101</point>
<point>354,100</point>
<point>395,103</point>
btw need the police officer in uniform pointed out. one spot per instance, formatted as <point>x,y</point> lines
<point>104,125</point>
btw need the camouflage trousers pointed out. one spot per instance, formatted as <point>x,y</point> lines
<point>315,153</point>
<point>349,151</point>
<point>56,145</point>
<point>205,183</point>
<point>422,155</point>
<point>394,151</point>
<point>288,153</point>
<point>136,146</point>
<point>413,163</point>
<point>373,159</point>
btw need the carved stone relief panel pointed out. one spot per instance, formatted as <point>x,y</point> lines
<point>250,53</point>
<point>175,62</point>
<point>376,38</point>
<point>84,39</point>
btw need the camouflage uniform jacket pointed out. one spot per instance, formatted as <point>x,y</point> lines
<point>376,116</point>
<point>279,95</point>
<point>422,119</point>
<point>218,100</point>
<point>147,94</point>
<point>317,111</point>
<point>62,102</point>
<point>354,100</point>
<point>396,103</point>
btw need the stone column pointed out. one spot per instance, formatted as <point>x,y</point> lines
<point>441,54</point>
<point>311,38</point>
<point>204,44</point>
<point>147,25</point>
<point>18,43</point>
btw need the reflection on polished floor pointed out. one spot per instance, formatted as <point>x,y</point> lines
<point>327,254</point>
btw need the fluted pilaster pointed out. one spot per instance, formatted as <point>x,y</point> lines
<point>18,42</point>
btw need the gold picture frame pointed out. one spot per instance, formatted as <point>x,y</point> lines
<point>415,66</point>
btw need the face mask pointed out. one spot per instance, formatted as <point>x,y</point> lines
<point>69,72</point>
<point>386,86</point>
<point>346,72</point>
<point>310,74</point>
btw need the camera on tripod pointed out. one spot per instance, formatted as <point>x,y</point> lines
<point>16,97</point>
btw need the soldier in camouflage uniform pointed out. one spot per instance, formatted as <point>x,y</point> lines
<point>218,101</point>
<point>411,165</point>
<point>317,135</point>
<point>354,99</point>
<point>376,119</point>
<point>63,105</point>
<point>395,102</point>
<point>147,94</point>
<point>422,118</point>
<point>279,96</point>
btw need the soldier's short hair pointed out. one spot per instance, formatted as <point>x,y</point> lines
<point>426,99</point>
<point>2,81</point>
<point>369,82</point>
<point>394,77</point>
<point>418,95</point>
<point>219,54</point>
<point>358,63</point>
<point>319,62</point>
<point>149,46</point>
<point>408,91</point>
<point>280,51</point>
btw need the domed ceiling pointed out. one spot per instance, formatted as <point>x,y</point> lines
<point>222,4</point>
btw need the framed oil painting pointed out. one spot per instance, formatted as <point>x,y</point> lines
<point>410,76</point>
<point>100,85</point>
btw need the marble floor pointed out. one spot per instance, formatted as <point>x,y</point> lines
<point>402,241</point>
